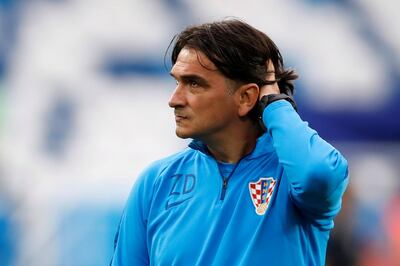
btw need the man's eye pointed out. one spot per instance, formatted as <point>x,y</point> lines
<point>176,82</point>
<point>193,84</point>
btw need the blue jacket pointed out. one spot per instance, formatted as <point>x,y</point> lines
<point>277,207</point>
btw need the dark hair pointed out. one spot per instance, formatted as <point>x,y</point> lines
<point>238,50</point>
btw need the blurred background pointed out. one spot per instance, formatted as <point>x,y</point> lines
<point>83,109</point>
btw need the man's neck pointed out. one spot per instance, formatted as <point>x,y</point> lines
<point>230,148</point>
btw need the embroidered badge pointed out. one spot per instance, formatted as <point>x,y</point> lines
<point>261,193</point>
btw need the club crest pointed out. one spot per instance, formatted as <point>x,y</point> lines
<point>261,193</point>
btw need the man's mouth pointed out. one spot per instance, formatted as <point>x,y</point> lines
<point>179,118</point>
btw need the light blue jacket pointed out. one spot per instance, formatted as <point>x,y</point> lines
<point>180,212</point>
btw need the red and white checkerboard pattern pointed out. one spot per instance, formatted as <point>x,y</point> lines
<point>256,191</point>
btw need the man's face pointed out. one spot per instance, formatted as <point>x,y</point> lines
<point>203,102</point>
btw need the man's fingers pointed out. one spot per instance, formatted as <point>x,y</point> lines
<point>269,89</point>
<point>272,85</point>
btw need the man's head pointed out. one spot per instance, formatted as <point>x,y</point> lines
<point>219,68</point>
<point>239,51</point>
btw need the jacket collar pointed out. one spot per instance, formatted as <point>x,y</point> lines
<point>263,146</point>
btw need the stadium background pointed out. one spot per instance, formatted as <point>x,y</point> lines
<point>83,109</point>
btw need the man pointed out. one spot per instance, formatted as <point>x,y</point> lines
<point>240,194</point>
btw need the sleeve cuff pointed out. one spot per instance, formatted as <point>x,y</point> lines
<point>269,110</point>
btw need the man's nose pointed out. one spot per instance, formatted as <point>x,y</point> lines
<point>178,98</point>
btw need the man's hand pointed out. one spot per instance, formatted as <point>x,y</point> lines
<point>269,89</point>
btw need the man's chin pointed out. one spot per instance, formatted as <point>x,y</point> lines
<point>181,134</point>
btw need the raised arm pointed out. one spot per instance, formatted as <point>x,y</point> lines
<point>316,171</point>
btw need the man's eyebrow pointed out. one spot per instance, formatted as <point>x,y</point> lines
<point>191,77</point>
<point>186,76</point>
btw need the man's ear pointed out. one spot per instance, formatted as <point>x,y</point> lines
<point>247,96</point>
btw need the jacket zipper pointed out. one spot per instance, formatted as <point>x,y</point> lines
<point>225,180</point>
<point>224,187</point>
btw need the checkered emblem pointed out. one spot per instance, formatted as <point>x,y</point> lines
<point>261,193</point>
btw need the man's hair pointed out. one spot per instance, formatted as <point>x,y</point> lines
<point>238,50</point>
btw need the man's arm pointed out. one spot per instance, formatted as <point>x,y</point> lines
<point>316,171</point>
<point>130,242</point>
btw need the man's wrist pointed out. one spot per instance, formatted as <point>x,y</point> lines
<point>270,98</point>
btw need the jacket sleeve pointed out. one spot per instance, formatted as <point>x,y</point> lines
<point>317,172</point>
<point>130,247</point>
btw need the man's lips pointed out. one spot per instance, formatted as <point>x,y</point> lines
<point>180,114</point>
<point>180,117</point>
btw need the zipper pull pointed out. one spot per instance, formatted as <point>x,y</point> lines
<point>224,186</point>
